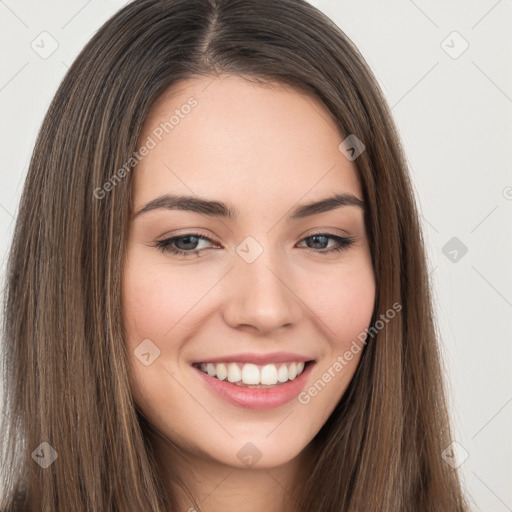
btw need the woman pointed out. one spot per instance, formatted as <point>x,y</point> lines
<point>217,293</point>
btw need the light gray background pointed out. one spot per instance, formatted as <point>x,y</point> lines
<point>454,115</point>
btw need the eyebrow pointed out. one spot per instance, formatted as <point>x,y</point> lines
<point>220,209</point>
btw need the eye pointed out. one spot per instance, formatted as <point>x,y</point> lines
<point>189,243</point>
<point>342,242</point>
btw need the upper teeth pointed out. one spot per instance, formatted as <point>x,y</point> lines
<point>250,373</point>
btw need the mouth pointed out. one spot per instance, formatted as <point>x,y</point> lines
<point>249,375</point>
<point>251,386</point>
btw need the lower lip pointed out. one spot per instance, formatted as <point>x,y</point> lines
<point>254,398</point>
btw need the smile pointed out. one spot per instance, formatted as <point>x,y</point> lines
<point>248,374</point>
<point>243,384</point>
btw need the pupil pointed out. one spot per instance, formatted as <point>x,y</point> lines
<point>317,237</point>
<point>180,240</point>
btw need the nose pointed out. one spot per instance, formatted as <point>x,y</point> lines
<point>261,296</point>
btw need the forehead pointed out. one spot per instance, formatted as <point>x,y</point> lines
<point>227,135</point>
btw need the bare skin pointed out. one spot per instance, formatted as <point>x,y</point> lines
<point>264,151</point>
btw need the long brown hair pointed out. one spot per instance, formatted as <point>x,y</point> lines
<point>65,364</point>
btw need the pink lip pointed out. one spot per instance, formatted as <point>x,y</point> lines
<point>254,398</point>
<point>275,357</point>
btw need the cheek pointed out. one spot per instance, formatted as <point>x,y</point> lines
<point>352,309</point>
<point>344,301</point>
<point>142,298</point>
<point>155,299</point>
<point>345,309</point>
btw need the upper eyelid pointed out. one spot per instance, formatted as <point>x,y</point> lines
<point>325,231</point>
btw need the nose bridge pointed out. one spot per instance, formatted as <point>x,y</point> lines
<point>260,297</point>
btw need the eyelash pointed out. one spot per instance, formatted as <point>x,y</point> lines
<point>166,247</point>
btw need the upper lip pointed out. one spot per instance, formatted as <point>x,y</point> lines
<point>259,359</point>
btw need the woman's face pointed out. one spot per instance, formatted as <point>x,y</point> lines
<point>256,292</point>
